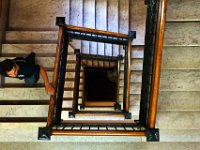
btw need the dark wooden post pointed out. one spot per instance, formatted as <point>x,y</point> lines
<point>76,85</point>
<point>55,75</point>
<point>127,72</point>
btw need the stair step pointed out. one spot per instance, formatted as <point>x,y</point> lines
<point>182,34</point>
<point>100,113</point>
<point>24,110</point>
<point>179,101</point>
<point>179,10</point>
<point>28,48</point>
<point>180,135</point>
<point>178,120</point>
<point>180,80</point>
<point>20,132</point>
<point>65,116</point>
<point>23,93</point>
<point>180,57</point>
<point>31,37</point>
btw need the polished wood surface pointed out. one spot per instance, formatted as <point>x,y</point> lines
<point>128,76</point>
<point>89,30</point>
<point>1,5</point>
<point>105,103</point>
<point>99,133</point>
<point>55,76</point>
<point>157,62</point>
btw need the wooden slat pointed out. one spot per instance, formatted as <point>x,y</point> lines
<point>89,30</point>
<point>98,133</point>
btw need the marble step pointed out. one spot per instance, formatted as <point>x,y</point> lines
<point>179,80</point>
<point>24,110</point>
<point>20,131</point>
<point>31,37</point>
<point>180,135</point>
<point>181,57</point>
<point>178,120</point>
<point>30,111</point>
<point>23,93</point>
<point>50,37</point>
<point>178,101</point>
<point>101,142</point>
<point>87,14</point>
<point>182,34</point>
<point>12,49</point>
<point>179,10</point>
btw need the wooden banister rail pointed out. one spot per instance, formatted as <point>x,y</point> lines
<point>55,76</point>
<point>157,62</point>
<point>94,31</point>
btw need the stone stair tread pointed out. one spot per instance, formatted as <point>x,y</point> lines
<point>23,93</point>
<point>179,10</point>
<point>31,36</point>
<point>27,48</point>
<point>182,34</point>
<point>180,135</point>
<point>180,57</point>
<point>24,110</point>
<point>178,120</point>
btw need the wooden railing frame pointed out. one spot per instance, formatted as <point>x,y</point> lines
<point>55,76</point>
<point>157,63</point>
<point>94,31</point>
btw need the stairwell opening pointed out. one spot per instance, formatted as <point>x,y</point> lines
<point>100,86</point>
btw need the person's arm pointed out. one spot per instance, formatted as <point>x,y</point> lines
<point>48,87</point>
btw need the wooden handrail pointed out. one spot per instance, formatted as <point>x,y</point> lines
<point>94,31</point>
<point>55,76</point>
<point>157,62</point>
<point>99,133</point>
<point>128,74</point>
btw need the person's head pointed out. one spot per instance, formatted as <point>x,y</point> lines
<point>9,67</point>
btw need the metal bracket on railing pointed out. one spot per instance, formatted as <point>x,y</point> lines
<point>44,133</point>
<point>60,21</point>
